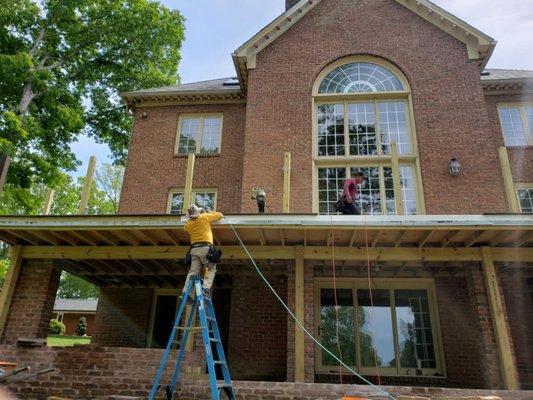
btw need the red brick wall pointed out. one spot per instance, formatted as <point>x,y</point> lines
<point>517,287</point>
<point>153,169</point>
<point>521,158</point>
<point>71,320</point>
<point>33,301</point>
<point>257,334</point>
<point>122,317</point>
<point>449,106</point>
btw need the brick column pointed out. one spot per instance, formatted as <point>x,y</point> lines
<point>490,361</point>
<point>33,301</point>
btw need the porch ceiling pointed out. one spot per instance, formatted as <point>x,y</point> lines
<point>144,251</point>
<point>274,230</point>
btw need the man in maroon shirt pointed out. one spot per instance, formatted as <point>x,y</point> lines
<point>350,194</point>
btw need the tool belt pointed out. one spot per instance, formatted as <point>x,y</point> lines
<point>214,255</point>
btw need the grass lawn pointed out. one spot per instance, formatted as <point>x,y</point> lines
<point>57,340</point>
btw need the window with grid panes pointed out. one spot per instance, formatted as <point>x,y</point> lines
<point>525,199</point>
<point>203,199</point>
<point>350,130</point>
<point>517,125</point>
<point>394,328</point>
<point>199,134</point>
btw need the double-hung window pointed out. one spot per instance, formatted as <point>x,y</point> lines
<point>525,197</point>
<point>394,329</point>
<point>517,124</point>
<point>204,198</point>
<point>199,134</point>
<point>361,108</point>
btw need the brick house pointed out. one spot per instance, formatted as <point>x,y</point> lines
<point>69,312</point>
<point>446,310</point>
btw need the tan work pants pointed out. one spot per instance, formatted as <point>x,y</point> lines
<point>198,262</point>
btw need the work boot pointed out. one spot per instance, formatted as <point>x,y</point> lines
<point>207,293</point>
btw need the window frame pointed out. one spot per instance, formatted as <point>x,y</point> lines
<point>202,117</point>
<point>158,292</point>
<point>522,186</point>
<point>391,285</point>
<point>194,192</point>
<point>528,130</point>
<point>411,159</point>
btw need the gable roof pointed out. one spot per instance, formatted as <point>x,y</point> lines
<point>75,305</point>
<point>479,45</point>
<point>224,89</point>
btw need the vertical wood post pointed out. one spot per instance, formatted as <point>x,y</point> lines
<point>287,183</point>
<point>509,372</point>
<point>187,197</point>
<point>48,201</point>
<point>299,337</point>
<point>87,185</point>
<point>6,293</point>
<point>510,189</point>
<point>4,166</point>
<point>398,197</point>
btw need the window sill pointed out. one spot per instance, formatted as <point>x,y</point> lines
<point>197,155</point>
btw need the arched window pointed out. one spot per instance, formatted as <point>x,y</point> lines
<point>360,77</point>
<point>361,106</point>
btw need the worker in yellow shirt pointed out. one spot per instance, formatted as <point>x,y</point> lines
<point>199,229</point>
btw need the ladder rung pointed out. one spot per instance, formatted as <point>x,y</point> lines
<point>223,385</point>
<point>220,362</point>
<point>193,328</point>
<point>211,319</point>
<point>215,340</point>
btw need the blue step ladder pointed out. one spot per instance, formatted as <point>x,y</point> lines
<point>210,334</point>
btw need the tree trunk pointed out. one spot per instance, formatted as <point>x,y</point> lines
<point>27,97</point>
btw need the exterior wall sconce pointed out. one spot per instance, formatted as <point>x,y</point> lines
<point>144,114</point>
<point>454,167</point>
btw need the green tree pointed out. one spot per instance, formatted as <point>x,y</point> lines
<point>73,287</point>
<point>62,65</point>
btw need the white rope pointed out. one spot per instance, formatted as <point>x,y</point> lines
<point>297,321</point>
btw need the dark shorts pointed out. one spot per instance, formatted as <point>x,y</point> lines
<point>346,208</point>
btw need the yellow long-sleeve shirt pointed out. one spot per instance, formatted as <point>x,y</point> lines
<point>199,228</point>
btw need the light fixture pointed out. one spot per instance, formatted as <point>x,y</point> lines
<point>454,167</point>
<point>144,114</point>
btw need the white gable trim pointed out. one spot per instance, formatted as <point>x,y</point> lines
<point>479,45</point>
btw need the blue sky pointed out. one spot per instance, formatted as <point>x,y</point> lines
<point>215,28</point>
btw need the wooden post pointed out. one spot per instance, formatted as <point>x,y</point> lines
<point>287,183</point>
<point>87,185</point>
<point>509,372</point>
<point>48,200</point>
<point>299,337</point>
<point>4,166</point>
<point>510,189</point>
<point>6,294</point>
<point>398,197</point>
<point>187,197</point>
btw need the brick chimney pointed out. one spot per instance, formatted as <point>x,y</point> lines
<point>290,3</point>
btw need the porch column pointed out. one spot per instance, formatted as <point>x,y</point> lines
<point>6,293</point>
<point>501,332</point>
<point>32,302</point>
<point>299,336</point>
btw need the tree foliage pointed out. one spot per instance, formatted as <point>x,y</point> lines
<point>62,65</point>
<point>73,287</point>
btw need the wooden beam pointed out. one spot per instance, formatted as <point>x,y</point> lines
<point>508,366</point>
<point>287,183</point>
<point>4,166</point>
<point>352,240</point>
<point>510,190</point>
<point>187,196</point>
<point>425,239</point>
<point>87,185</point>
<point>48,201</point>
<point>398,197</point>
<point>299,301</point>
<point>475,237</point>
<point>376,239</point>
<point>10,282</point>
<point>400,237</point>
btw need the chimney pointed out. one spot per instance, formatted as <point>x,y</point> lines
<point>290,3</point>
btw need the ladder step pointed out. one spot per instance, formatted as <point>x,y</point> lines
<point>224,385</point>
<point>215,340</point>
<point>220,362</point>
